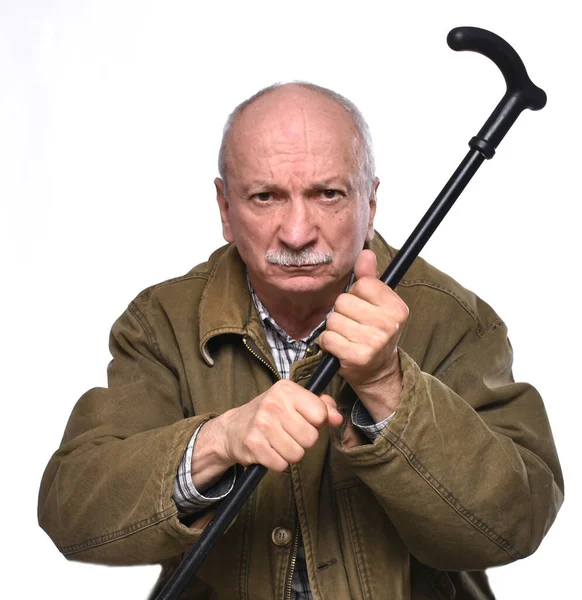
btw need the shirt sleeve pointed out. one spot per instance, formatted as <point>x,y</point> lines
<point>363,421</point>
<point>190,500</point>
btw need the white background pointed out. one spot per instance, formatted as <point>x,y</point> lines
<point>110,121</point>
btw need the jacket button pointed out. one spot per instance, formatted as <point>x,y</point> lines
<point>281,536</point>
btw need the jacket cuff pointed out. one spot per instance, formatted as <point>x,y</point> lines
<point>187,497</point>
<point>394,425</point>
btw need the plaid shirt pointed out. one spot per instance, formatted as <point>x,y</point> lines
<point>285,351</point>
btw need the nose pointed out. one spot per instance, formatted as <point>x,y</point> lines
<point>298,227</point>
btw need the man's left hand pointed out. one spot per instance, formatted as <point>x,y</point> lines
<point>363,332</point>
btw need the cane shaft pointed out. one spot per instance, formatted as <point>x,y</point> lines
<point>521,94</point>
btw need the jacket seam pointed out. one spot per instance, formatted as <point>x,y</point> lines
<point>348,483</point>
<point>301,512</point>
<point>355,544</point>
<point>452,294</point>
<point>246,544</point>
<point>149,332</point>
<point>444,493</point>
<point>167,465</point>
<point>147,293</point>
<point>120,534</point>
<point>397,442</point>
<point>209,278</point>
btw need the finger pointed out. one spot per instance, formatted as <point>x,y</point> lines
<point>309,406</point>
<point>285,446</point>
<point>339,346</point>
<point>354,331</point>
<point>370,302</point>
<point>366,265</point>
<point>298,428</point>
<point>367,313</point>
<point>258,450</point>
<point>334,418</point>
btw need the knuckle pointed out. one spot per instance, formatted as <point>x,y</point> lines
<point>362,356</point>
<point>403,311</point>
<point>340,302</point>
<point>285,384</point>
<point>253,443</point>
<point>321,413</point>
<point>269,404</point>
<point>390,327</point>
<point>332,320</point>
<point>311,438</point>
<point>262,421</point>
<point>296,455</point>
<point>356,289</point>
<point>279,465</point>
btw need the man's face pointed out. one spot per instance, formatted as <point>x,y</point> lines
<point>297,206</point>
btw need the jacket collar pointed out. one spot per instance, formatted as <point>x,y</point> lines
<point>226,306</point>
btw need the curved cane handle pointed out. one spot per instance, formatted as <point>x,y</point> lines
<point>521,92</point>
<point>504,56</point>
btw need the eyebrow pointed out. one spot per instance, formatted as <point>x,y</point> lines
<point>259,186</point>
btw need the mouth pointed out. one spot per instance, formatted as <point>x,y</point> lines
<point>299,267</point>
<point>304,259</point>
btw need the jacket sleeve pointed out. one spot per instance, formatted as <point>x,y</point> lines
<point>466,470</point>
<point>106,494</point>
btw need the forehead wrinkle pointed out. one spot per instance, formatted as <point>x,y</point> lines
<point>269,136</point>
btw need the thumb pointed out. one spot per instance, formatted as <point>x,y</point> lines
<point>334,418</point>
<point>366,265</point>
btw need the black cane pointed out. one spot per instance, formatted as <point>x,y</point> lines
<point>521,94</point>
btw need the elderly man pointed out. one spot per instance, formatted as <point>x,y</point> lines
<point>421,466</point>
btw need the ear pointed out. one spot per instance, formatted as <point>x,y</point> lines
<point>224,208</point>
<point>370,232</point>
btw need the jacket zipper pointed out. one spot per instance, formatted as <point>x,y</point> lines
<point>292,563</point>
<point>256,353</point>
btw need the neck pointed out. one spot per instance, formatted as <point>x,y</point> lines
<point>298,314</point>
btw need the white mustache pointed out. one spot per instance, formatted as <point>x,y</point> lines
<point>303,258</point>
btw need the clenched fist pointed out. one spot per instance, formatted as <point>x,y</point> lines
<point>274,429</point>
<point>363,333</point>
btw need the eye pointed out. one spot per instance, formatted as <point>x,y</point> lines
<point>262,196</point>
<point>330,194</point>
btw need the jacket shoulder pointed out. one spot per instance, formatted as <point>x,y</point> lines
<point>426,283</point>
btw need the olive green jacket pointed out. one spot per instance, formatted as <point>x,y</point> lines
<point>464,477</point>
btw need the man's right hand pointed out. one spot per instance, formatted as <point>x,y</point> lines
<point>274,429</point>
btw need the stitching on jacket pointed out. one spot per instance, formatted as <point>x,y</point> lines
<point>149,332</point>
<point>145,294</point>
<point>166,471</point>
<point>355,544</point>
<point>459,299</point>
<point>246,541</point>
<point>209,277</point>
<point>116,535</point>
<point>134,310</point>
<point>453,501</point>
<point>397,442</point>
<point>309,554</point>
<point>348,483</point>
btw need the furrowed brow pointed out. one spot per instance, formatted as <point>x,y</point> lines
<point>331,183</point>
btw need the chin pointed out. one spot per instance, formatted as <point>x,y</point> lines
<point>301,283</point>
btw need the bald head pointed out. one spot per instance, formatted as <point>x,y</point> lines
<point>295,111</point>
